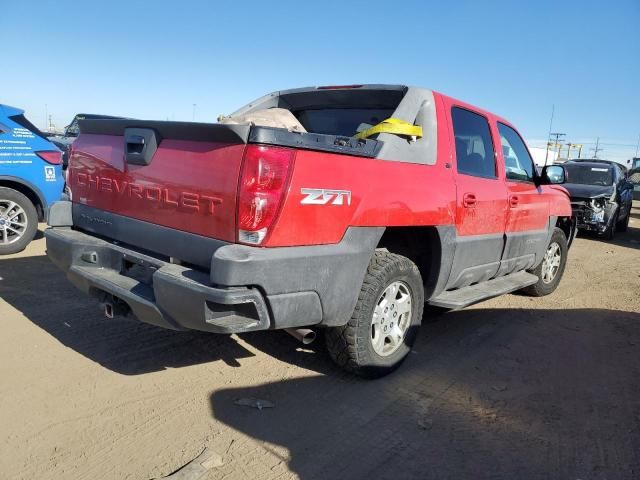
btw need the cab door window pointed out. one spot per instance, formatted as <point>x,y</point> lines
<point>518,162</point>
<point>474,148</point>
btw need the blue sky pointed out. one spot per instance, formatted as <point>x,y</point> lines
<point>156,59</point>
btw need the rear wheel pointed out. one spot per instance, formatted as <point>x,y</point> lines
<point>385,321</point>
<point>18,221</point>
<point>551,269</point>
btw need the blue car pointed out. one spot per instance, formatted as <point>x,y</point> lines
<point>31,179</point>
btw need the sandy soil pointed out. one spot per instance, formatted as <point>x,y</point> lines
<point>514,387</point>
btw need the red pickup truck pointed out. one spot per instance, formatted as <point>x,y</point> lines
<point>381,199</point>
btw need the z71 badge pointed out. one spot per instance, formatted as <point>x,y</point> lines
<point>320,196</point>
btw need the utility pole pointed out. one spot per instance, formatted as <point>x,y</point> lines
<point>638,145</point>
<point>46,114</point>
<point>557,143</point>
<point>597,149</point>
<point>194,113</point>
<point>553,107</point>
<point>573,146</point>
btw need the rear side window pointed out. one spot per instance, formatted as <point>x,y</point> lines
<point>73,130</point>
<point>474,148</point>
<point>518,162</point>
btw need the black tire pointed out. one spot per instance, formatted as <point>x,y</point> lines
<point>351,345</point>
<point>623,224</point>
<point>30,216</point>
<point>542,287</point>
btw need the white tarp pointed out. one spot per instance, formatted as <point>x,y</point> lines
<point>272,117</point>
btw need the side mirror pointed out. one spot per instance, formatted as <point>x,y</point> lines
<point>553,175</point>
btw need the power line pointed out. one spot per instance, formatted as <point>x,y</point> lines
<point>629,145</point>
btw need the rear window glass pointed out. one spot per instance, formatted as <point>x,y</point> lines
<point>341,121</point>
<point>24,123</point>
<point>589,175</point>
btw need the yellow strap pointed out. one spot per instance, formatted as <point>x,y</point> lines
<point>395,126</point>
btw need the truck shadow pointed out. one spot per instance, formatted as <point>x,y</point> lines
<point>488,393</point>
<point>35,287</point>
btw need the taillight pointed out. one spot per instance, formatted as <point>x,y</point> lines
<point>263,183</point>
<point>52,157</point>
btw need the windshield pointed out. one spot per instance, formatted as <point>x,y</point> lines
<point>589,175</point>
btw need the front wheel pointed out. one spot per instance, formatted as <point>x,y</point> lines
<point>385,321</point>
<point>623,224</point>
<point>610,231</point>
<point>551,269</point>
<point>18,221</point>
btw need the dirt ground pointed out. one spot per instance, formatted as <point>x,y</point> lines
<point>512,388</point>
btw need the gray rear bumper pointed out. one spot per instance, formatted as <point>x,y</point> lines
<point>156,292</point>
<point>247,288</point>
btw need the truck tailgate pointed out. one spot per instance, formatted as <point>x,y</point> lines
<point>189,183</point>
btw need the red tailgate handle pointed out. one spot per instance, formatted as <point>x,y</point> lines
<point>469,200</point>
<point>513,201</point>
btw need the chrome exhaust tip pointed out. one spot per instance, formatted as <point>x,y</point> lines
<point>304,335</point>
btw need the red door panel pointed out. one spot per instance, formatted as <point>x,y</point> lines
<point>481,198</point>
<point>527,226</point>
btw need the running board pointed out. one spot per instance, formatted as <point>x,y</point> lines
<point>463,297</point>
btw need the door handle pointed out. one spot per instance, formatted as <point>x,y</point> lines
<point>469,200</point>
<point>513,201</point>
